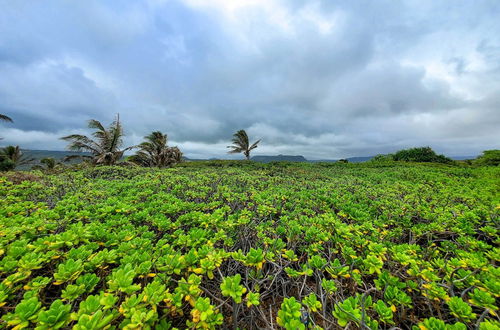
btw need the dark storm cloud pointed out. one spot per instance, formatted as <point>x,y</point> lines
<point>49,96</point>
<point>320,78</point>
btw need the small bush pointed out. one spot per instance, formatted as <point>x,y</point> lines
<point>19,177</point>
<point>7,165</point>
<point>382,158</point>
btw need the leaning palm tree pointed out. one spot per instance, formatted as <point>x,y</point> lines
<point>104,148</point>
<point>14,155</point>
<point>242,144</point>
<point>154,152</point>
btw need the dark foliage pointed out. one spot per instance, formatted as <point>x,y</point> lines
<point>241,144</point>
<point>422,154</point>
<point>155,152</point>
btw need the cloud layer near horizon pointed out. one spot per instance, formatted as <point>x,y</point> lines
<point>314,78</point>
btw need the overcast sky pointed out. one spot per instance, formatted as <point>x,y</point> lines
<point>324,79</point>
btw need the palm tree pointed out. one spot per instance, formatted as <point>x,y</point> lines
<point>104,148</point>
<point>242,144</point>
<point>155,152</point>
<point>47,163</point>
<point>14,155</point>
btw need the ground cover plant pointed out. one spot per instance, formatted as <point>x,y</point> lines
<point>238,244</point>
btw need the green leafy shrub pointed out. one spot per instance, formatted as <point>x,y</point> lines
<point>231,287</point>
<point>289,316</point>
<point>312,302</point>
<point>122,280</point>
<point>25,313</point>
<point>423,154</point>
<point>384,312</point>
<point>56,317</point>
<point>204,315</point>
<point>347,311</point>
<point>482,299</point>
<point>253,299</point>
<point>489,157</point>
<point>68,271</point>
<point>461,310</point>
<point>433,323</point>
<point>98,320</point>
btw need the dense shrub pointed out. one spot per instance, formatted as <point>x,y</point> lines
<point>489,157</point>
<point>422,154</point>
<point>382,158</point>
<point>6,165</point>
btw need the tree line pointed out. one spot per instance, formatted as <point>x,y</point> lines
<point>105,147</point>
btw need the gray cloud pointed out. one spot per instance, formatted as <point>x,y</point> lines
<point>321,79</point>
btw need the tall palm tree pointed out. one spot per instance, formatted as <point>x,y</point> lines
<point>104,148</point>
<point>242,144</point>
<point>154,152</point>
<point>15,155</point>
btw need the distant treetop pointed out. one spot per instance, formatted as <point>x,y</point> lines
<point>489,157</point>
<point>421,154</point>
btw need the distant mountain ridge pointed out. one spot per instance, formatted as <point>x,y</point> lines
<point>58,155</point>
<point>37,155</point>
<point>278,158</point>
<point>300,158</point>
<point>350,160</point>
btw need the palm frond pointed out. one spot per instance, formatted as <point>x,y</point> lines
<point>253,146</point>
<point>115,134</point>
<point>105,144</point>
<point>95,124</point>
<point>236,149</point>
<point>6,118</point>
<point>241,144</point>
<point>15,154</point>
<point>129,148</point>
<point>101,134</point>
<point>154,152</point>
<point>82,143</point>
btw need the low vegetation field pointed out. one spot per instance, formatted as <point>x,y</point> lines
<point>246,245</point>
